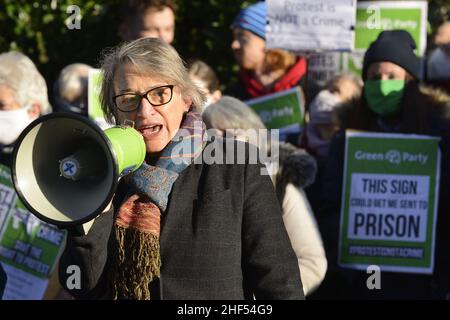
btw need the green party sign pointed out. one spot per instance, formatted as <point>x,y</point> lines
<point>26,242</point>
<point>389,202</point>
<point>7,194</point>
<point>95,111</point>
<point>373,17</point>
<point>283,110</point>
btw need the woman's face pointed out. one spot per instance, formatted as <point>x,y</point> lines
<point>385,71</point>
<point>7,99</point>
<point>158,125</point>
<point>248,49</point>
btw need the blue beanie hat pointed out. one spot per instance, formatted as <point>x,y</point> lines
<point>253,19</point>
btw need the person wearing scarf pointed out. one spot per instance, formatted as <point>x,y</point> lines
<point>262,71</point>
<point>178,228</point>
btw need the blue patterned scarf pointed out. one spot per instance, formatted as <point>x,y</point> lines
<point>136,259</point>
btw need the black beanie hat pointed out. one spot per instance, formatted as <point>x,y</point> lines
<point>396,46</point>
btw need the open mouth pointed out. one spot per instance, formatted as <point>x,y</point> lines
<point>151,130</point>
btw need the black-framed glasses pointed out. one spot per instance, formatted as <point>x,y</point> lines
<point>128,102</point>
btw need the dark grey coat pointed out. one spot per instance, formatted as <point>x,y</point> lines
<point>2,281</point>
<point>222,237</point>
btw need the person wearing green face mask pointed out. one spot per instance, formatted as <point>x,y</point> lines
<point>384,96</point>
<point>389,64</point>
<point>393,101</point>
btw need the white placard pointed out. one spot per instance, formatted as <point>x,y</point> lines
<point>311,25</point>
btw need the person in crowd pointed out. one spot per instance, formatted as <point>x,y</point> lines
<point>23,98</point>
<point>262,71</point>
<point>179,228</point>
<point>392,102</point>
<point>438,63</point>
<point>3,279</point>
<point>439,60</point>
<point>205,77</point>
<point>71,89</point>
<point>296,171</point>
<point>323,112</point>
<point>149,18</point>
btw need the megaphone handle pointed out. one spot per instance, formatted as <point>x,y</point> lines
<point>87,226</point>
<point>82,230</point>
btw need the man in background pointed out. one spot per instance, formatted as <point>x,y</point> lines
<point>439,60</point>
<point>149,18</point>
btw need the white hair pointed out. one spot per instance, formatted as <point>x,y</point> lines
<point>20,74</point>
<point>72,81</point>
<point>151,56</point>
<point>231,113</point>
<point>232,116</point>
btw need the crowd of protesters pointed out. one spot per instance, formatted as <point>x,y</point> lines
<point>253,237</point>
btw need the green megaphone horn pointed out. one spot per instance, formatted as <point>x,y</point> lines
<point>66,169</point>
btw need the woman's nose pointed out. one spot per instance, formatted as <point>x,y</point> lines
<point>235,45</point>
<point>145,108</point>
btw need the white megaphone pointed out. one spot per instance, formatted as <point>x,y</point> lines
<point>66,169</point>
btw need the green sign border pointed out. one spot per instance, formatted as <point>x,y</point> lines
<point>425,265</point>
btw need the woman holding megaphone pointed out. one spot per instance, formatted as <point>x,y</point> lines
<point>178,228</point>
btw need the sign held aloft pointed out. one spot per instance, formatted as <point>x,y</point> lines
<point>283,110</point>
<point>311,25</point>
<point>389,204</point>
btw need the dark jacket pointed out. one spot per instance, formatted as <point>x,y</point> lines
<point>6,155</point>
<point>222,237</point>
<point>2,281</point>
<point>296,166</point>
<point>346,283</point>
<point>5,159</point>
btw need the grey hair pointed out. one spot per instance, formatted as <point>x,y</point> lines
<point>151,56</point>
<point>72,82</point>
<point>231,113</point>
<point>20,74</point>
<point>333,84</point>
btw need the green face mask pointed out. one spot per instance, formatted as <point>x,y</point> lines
<point>384,96</point>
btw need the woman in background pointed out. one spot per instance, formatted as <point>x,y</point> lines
<point>262,71</point>
<point>296,171</point>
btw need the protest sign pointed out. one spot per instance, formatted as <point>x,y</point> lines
<point>283,110</point>
<point>321,68</point>
<point>373,17</point>
<point>95,111</point>
<point>389,202</point>
<point>7,194</point>
<point>311,25</point>
<point>29,247</point>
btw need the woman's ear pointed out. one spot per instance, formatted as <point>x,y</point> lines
<point>35,110</point>
<point>187,103</point>
<point>216,95</point>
